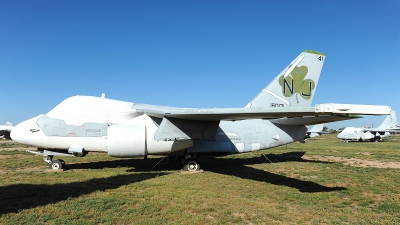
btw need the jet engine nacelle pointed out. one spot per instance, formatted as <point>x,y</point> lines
<point>126,141</point>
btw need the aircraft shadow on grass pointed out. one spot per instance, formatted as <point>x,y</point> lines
<point>229,166</point>
<point>25,196</point>
<point>238,167</point>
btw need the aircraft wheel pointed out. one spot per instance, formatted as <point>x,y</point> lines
<point>56,165</point>
<point>191,165</point>
<point>63,163</point>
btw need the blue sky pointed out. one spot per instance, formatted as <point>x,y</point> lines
<point>193,53</point>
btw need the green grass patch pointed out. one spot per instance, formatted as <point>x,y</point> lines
<point>236,189</point>
<point>388,208</point>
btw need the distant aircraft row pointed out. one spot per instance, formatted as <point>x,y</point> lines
<point>5,130</point>
<point>386,129</point>
<point>278,115</point>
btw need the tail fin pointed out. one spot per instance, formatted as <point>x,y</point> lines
<point>317,128</point>
<point>315,131</point>
<point>390,121</point>
<point>295,85</point>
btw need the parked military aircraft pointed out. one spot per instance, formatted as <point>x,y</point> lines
<point>355,134</point>
<point>276,116</point>
<point>315,131</point>
<point>5,130</point>
<point>388,126</point>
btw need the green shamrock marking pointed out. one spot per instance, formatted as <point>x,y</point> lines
<point>295,83</point>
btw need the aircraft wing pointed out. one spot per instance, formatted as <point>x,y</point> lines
<point>335,111</point>
<point>184,123</point>
<point>382,130</point>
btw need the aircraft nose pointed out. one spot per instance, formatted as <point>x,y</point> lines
<point>26,132</point>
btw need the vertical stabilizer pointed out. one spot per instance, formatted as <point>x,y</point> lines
<point>317,128</point>
<point>295,85</point>
<point>390,121</point>
<point>315,131</point>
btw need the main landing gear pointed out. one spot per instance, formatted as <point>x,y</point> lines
<point>190,163</point>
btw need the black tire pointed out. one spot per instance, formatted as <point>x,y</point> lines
<point>191,165</point>
<point>56,165</point>
<point>64,165</point>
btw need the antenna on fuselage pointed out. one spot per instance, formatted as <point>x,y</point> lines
<point>103,95</point>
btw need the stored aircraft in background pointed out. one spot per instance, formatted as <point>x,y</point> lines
<point>5,130</point>
<point>315,131</point>
<point>278,115</point>
<point>387,128</point>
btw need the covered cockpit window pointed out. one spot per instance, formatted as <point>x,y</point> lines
<point>81,109</point>
<point>71,108</point>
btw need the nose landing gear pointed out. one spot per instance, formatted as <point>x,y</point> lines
<point>58,164</point>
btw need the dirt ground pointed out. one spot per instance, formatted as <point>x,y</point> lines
<point>355,162</point>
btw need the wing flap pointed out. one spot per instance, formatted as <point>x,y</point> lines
<point>382,130</point>
<point>353,109</point>
<point>311,120</point>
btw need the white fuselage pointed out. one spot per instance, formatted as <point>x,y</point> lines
<point>85,122</point>
<point>117,127</point>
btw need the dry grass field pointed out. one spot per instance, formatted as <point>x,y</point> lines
<point>323,181</point>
